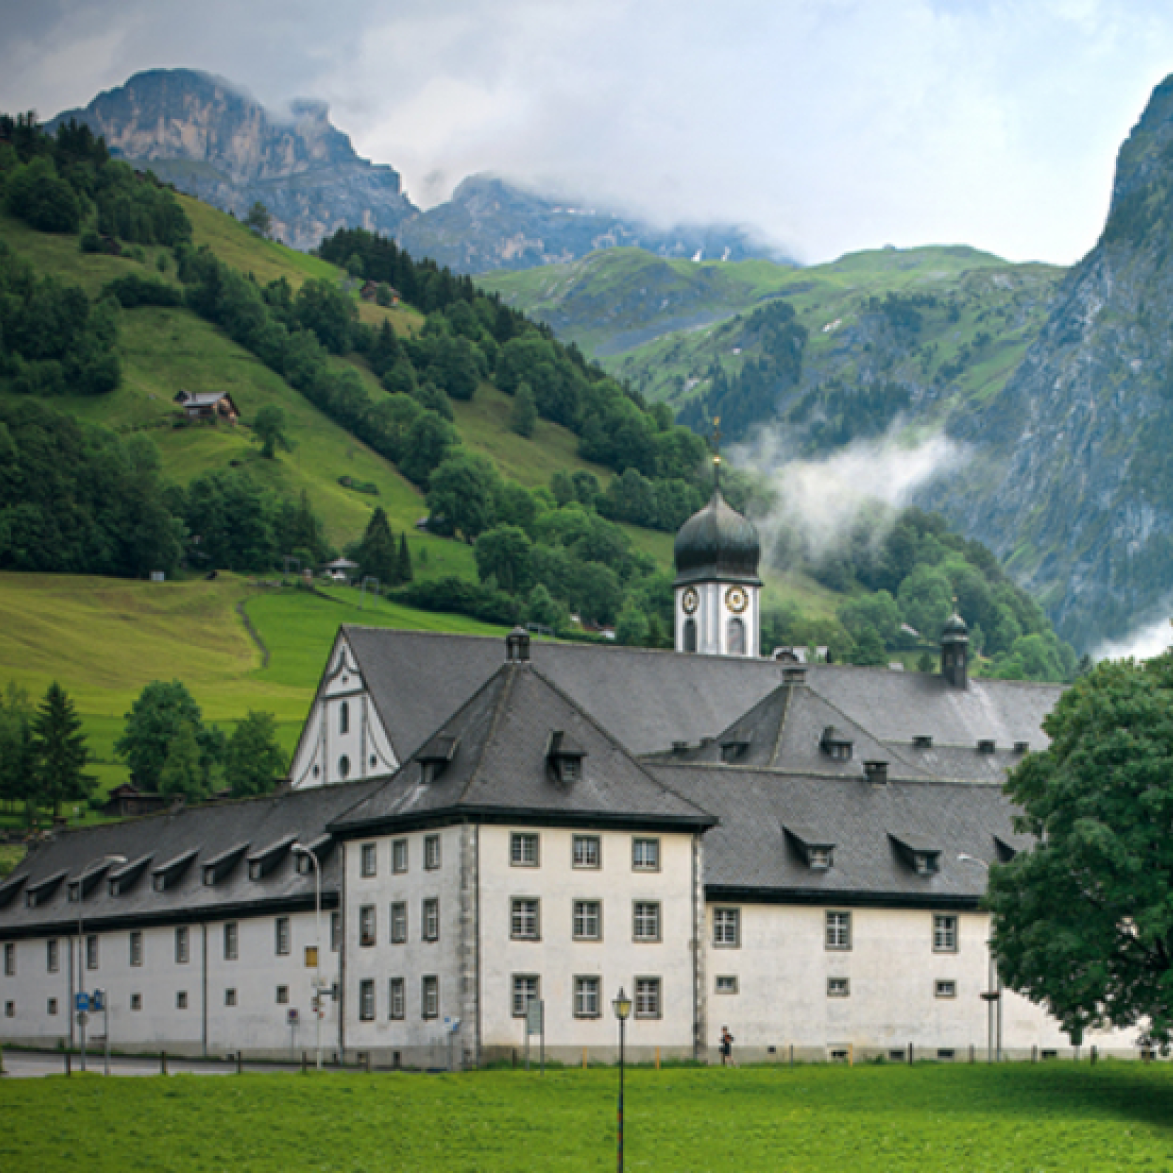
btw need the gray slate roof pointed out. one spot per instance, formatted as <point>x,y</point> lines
<point>210,831</point>
<point>500,768</point>
<point>749,856</point>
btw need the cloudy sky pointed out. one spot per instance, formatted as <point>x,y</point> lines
<point>830,125</point>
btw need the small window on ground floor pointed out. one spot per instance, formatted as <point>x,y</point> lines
<point>726,984</point>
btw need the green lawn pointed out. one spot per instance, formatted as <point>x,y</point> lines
<point>961,1119</point>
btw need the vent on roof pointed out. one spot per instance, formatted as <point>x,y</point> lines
<point>38,893</point>
<point>168,874</point>
<point>922,741</point>
<point>735,748</point>
<point>564,757</point>
<point>436,756</point>
<point>262,862</point>
<point>835,745</point>
<point>876,773</point>
<point>321,847</point>
<point>126,877</point>
<point>794,674</point>
<point>220,866</point>
<point>986,745</point>
<point>10,888</point>
<point>917,853</point>
<point>1022,747</point>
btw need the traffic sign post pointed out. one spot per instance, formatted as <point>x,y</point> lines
<point>535,1024</point>
<point>82,1003</point>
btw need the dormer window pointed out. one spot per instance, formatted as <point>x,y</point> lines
<point>262,862</point>
<point>436,757</point>
<point>917,852</point>
<point>564,758</point>
<point>835,745</point>
<point>925,862</point>
<point>815,848</point>
<point>735,748</point>
<point>220,866</point>
<point>819,859</point>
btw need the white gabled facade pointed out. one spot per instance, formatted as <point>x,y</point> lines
<point>343,739</point>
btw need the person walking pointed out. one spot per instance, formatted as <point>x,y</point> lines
<point>726,1048</point>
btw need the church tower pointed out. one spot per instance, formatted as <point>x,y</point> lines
<point>717,585</point>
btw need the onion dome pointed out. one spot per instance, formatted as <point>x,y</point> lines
<point>717,543</point>
<point>955,630</point>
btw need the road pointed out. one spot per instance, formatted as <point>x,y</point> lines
<point>35,1064</point>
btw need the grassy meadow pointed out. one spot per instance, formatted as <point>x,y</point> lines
<point>928,1117</point>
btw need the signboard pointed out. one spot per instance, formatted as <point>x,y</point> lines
<point>311,957</point>
<point>98,1001</point>
<point>533,1016</point>
<point>292,1017</point>
<point>82,1002</point>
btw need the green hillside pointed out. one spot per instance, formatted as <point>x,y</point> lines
<point>665,325</point>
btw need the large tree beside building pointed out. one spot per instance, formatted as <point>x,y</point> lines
<point>153,726</point>
<point>59,752</point>
<point>1083,921</point>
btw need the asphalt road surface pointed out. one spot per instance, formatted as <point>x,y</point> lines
<point>36,1064</point>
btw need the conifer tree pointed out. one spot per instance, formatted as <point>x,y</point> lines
<point>406,574</point>
<point>376,553</point>
<point>524,415</point>
<point>59,752</point>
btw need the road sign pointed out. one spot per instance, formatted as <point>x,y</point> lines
<point>98,1001</point>
<point>533,1016</point>
<point>293,1016</point>
<point>82,1002</point>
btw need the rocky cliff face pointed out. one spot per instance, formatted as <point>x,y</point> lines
<point>210,139</point>
<point>215,142</point>
<point>1072,480</point>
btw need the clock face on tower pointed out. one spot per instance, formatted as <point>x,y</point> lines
<point>736,599</point>
<point>689,601</point>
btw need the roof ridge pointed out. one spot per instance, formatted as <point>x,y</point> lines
<point>509,669</point>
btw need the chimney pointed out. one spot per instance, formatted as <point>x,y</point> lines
<point>986,745</point>
<point>517,646</point>
<point>876,773</point>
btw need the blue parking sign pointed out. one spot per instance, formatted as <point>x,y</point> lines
<point>82,1002</point>
<point>97,999</point>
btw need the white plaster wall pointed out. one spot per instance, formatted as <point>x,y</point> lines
<point>712,617</point>
<point>557,958</point>
<point>419,1041</point>
<point>782,967</point>
<point>30,990</point>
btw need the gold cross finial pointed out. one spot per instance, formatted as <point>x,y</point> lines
<point>716,451</point>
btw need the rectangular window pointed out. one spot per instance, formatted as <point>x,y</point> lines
<point>9,1009</point>
<point>431,920</point>
<point>727,928</point>
<point>231,941</point>
<point>587,851</point>
<point>182,952</point>
<point>946,989</point>
<point>335,932</point>
<point>281,935</point>
<point>646,920</point>
<point>366,925</point>
<point>366,1000</point>
<point>726,984</point>
<point>136,1001</point>
<point>10,960</point>
<point>51,1008</point>
<point>52,956</point>
<point>368,859</point>
<point>819,858</point>
<point>838,930</point>
<point>398,923</point>
<point>647,997</point>
<point>399,855</point>
<point>525,921</point>
<point>92,952</point>
<point>526,987</point>
<point>430,996</point>
<point>588,920</point>
<point>229,997</point>
<point>645,855</point>
<point>282,995</point>
<point>397,999</point>
<point>838,988</point>
<point>136,948</point>
<point>431,852</point>
<point>586,997</point>
<point>524,850</point>
<point>944,934</point>
<point>181,1000</point>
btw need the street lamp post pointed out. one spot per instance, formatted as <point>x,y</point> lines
<point>622,1007</point>
<point>308,852</point>
<point>993,995</point>
<point>81,1014</point>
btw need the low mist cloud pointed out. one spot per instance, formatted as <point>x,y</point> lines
<point>1143,643</point>
<point>822,501</point>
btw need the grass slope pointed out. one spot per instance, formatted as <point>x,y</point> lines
<point>927,1117</point>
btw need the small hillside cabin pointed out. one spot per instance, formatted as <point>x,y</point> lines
<point>213,406</point>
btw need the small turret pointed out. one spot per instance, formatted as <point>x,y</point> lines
<point>955,652</point>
